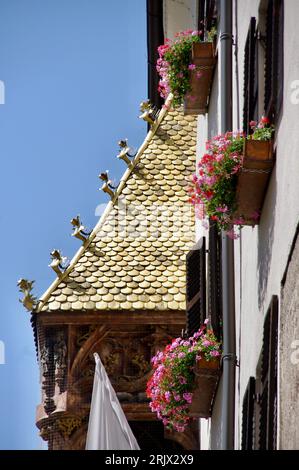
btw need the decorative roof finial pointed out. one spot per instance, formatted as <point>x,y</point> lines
<point>29,301</point>
<point>149,112</point>
<point>79,231</point>
<point>126,152</point>
<point>107,185</point>
<point>59,263</point>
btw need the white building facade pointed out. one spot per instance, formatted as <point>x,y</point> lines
<point>266,257</point>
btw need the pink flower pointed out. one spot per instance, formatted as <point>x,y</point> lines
<point>198,74</point>
<point>191,66</point>
<point>252,124</point>
<point>232,234</point>
<point>222,209</point>
<point>188,397</point>
<point>215,353</point>
<point>197,334</point>
<point>239,221</point>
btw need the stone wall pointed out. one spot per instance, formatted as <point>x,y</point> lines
<point>289,356</point>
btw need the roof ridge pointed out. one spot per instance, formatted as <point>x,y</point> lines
<point>163,112</point>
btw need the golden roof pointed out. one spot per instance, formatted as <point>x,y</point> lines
<point>135,257</point>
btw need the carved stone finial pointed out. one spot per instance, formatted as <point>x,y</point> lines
<point>126,152</point>
<point>149,112</point>
<point>107,186</point>
<point>123,143</point>
<point>59,263</point>
<point>29,301</point>
<point>79,231</point>
<point>104,176</point>
<point>145,105</point>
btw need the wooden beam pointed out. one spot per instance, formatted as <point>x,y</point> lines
<point>170,317</point>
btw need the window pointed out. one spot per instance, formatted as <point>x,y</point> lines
<point>259,411</point>
<point>250,109</point>
<point>274,59</point>
<point>248,416</point>
<point>215,280</point>
<point>263,65</point>
<point>196,286</point>
<point>266,383</point>
<point>207,16</point>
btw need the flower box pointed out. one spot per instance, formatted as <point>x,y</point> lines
<point>203,56</point>
<point>253,179</point>
<point>207,375</point>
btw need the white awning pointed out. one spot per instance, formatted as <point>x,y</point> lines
<point>108,428</point>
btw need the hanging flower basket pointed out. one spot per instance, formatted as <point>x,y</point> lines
<point>177,378</point>
<point>203,57</point>
<point>232,178</point>
<point>253,179</point>
<point>207,375</point>
<point>186,65</point>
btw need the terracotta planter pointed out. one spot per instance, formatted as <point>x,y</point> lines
<point>253,179</point>
<point>207,375</point>
<point>203,56</point>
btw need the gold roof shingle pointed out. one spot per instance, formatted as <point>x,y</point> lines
<point>135,259</point>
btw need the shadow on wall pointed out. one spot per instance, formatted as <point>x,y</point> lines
<point>265,237</point>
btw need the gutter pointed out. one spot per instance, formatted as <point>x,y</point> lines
<point>228,281</point>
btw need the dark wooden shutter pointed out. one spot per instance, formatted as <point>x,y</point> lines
<point>215,280</point>
<point>279,45</point>
<point>274,59</point>
<point>201,18</point>
<point>248,416</point>
<point>207,16</point>
<point>196,286</point>
<point>155,37</point>
<point>269,60</point>
<point>267,389</point>
<point>250,109</point>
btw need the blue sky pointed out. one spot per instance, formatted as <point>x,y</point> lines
<point>75,72</point>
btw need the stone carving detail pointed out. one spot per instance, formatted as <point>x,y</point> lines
<point>84,334</point>
<point>60,360</point>
<point>112,362</point>
<point>53,362</point>
<point>47,430</point>
<point>68,425</point>
<point>125,355</point>
<point>48,372</point>
<point>139,360</point>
